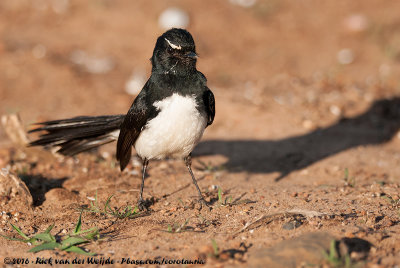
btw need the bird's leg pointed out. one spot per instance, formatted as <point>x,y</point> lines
<point>142,203</point>
<point>188,162</point>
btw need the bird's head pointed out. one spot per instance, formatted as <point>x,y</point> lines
<point>174,53</point>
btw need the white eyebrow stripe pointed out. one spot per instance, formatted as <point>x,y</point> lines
<point>172,45</point>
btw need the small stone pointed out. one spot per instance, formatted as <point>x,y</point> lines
<point>173,17</point>
<point>356,23</point>
<point>244,3</point>
<point>345,56</point>
<point>92,64</point>
<point>291,225</point>
<point>335,110</point>
<point>135,82</point>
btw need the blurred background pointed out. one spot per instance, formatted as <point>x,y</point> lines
<point>307,116</point>
<point>296,65</point>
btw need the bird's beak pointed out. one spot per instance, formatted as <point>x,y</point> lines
<point>192,55</point>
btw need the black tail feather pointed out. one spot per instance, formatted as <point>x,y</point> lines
<point>78,134</point>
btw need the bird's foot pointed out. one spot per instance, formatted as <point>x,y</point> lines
<point>201,202</point>
<point>144,204</point>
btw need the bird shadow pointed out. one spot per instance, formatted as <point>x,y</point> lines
<point>377,125</point>
<point>38,186</point>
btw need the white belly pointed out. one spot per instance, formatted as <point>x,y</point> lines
<point>174,132</point>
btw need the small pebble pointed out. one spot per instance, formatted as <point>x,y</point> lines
<point>243,3</point>
<point>173,17</point>
<point>291,225</point>
<point>356,23</point>
<point>335,110</point>
<point>135,82</point>
<point>345,56</point>
<point>92,64</point>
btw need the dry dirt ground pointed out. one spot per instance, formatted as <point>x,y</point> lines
<point>306,136</point>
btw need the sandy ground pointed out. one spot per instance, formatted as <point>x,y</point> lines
<point>305,90</point>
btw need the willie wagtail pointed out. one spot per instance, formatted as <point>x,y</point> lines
<point>167,118</point>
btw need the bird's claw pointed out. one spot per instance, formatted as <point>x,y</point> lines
<point>202,202</point>
<point>143,205</point>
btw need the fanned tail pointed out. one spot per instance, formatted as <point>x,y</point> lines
<point>78,134</point>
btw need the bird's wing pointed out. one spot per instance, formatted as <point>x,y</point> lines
<point>134,121</point>
<point>209,102</point>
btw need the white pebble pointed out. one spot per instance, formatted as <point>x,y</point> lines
<point>356,23</point>
<point>243,3</point>
<point>345,56</point>
<point>133,172</point>
<point>92,64</point>
<point>173,17</point>
<point>335,110</point>
<point>105,155</point>
<point>136,162</point>
<point>135,83</point>
<point>99,65</point>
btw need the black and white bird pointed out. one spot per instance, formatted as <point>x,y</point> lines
<point>167,118</point>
